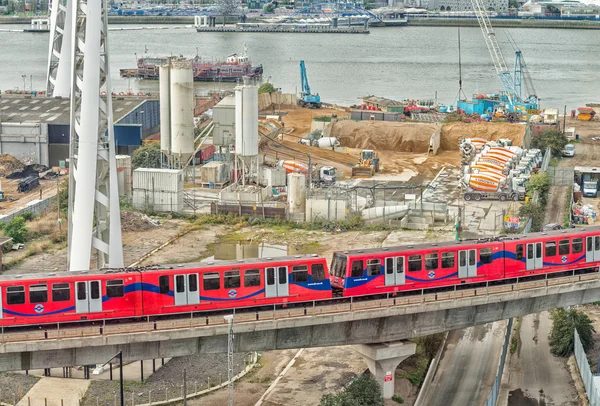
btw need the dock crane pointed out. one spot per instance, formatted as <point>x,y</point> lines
<point>306,97</point>
<point>512,86</point>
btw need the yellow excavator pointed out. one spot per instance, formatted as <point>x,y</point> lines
<point>367,165</point>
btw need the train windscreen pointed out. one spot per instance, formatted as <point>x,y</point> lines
<point>338,266</point>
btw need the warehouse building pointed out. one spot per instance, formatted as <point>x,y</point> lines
<point>36,129</point>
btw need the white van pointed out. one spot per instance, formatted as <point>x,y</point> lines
<point>569,150</point>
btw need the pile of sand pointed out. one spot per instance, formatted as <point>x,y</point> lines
<point>452,132</point>
<point>9,164</point>
<point>384,135</point>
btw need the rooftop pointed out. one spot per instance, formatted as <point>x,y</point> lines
<point>52,110</point>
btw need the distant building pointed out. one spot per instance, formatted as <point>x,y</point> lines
<point>465,5</point>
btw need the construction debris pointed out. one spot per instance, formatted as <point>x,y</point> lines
<point>137,222</point>
<point>27,171</point>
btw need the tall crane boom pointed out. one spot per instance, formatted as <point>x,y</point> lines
<point>304,79</point>
<point>306,97</point>
<point>494,48</point>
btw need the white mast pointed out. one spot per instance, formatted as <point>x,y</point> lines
<point>94,218</point>
<point>58,74</point>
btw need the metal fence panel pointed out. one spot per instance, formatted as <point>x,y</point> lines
<point>586,373</point>
<point>561,175</point>
<point>36,208</point>
<point>493,397</point>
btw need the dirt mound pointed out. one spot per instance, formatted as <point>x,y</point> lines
<point>452,132</point>
<point>384,136</point>
<point>135,222</point>
<point>9,164</point>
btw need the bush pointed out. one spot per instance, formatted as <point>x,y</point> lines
<point>539,182</point>
<point>363,391</point>
<point>553,139</point>
<point>16,229</point>
<point>28,215</point>
<point>564,323</point>
<point>398,399</point>
<point>535,211</point>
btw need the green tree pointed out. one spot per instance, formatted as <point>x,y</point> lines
<point>269,7</point>
<point>147,156</point>
<point>363,391</point>
<point>535,211</point>
<point>564,322</point>
<point>266,88</point>
<point>539,182</point>
<point>553,139</point>
<point>16,229</point>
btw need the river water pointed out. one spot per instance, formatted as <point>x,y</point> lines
<point>394,62</point>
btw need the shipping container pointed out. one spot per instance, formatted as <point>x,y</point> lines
<point>160,201</point>
<point>163,180</point>
<point>215,173</point>
<point>274,176</point>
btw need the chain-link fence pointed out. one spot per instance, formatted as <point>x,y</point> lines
<point>591,387</point>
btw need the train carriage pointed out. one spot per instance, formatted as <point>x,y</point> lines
<point>69,296</point>
<point>234,284</point>
<point>394,269</point>
<point>552,251</point>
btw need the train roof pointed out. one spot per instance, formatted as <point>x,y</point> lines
<point>201,265</point>
<point>446,244</point>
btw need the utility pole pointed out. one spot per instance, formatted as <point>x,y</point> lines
<point>230,392</point>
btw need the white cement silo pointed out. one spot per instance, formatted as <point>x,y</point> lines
<point>182,109</point>
<point>296,193</point>
<point>246,134</point>
<point>165,108</point>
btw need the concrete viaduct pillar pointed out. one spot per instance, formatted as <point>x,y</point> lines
<point>383,359</point>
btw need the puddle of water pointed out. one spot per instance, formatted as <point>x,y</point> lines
<point>234,251</point>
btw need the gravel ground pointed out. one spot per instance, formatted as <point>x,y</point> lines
<point>15,386</point>
<point>167,380</point>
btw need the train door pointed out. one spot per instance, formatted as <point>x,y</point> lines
<point>88,297</point>
<point>186,289</point>
<point>535,256</point>
<point>467,263</point>
<point>276,282</point>
<point>592,251</point>
<point>394,271</point>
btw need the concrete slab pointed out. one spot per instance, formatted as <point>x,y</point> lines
<point>55,390</point>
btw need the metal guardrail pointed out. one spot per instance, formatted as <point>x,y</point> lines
<point>492,399</point>
<point>191,320</point>
<point>586,373</point>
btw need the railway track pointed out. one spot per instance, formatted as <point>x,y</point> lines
<point>253,315</point>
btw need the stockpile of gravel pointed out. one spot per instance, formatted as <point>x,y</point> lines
<point>168,379</point>
<point>15,386</point>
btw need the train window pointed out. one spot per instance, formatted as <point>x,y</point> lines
<point>577,245</point>
<point>519,252</point>
<point>485,256</point>
<point>462,258</point>
<point>550,248</point>
<point>251,277</point>
<point>38,293</point>
<point>94,290</point>
<point>472,257</point>
<point>529,251</point>
<point>431,261</point>
<point>282,275</point>
<point>373,267</point>
<point>399,264</point>
<point>270,276</point>
<point>299,273</point>
<point>563,247</point>
<point>317,272</point>
<point>414,263</point>
<point>61,292</point>
<point>211,281</point>
<point>115,288</point>
<point>81,292</point>
<point>15,295</point>
<point>447,259</point>
<point>357,269</point>
<point>596,243</point>
<point>193,283</point>
<point>180,283</point>
<point>590,244</point>
<point>389,266</point>
<point>231,279</point>
<point>164,285</point>
<point>339,265</point>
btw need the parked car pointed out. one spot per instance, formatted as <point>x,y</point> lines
<point>552,226</point>
<point>569,150</point>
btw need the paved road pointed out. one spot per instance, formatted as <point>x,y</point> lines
<point>536,377</point>
<point>468,366</point>
<point>56,391</point>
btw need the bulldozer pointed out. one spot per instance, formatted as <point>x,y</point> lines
<point>368,164</point>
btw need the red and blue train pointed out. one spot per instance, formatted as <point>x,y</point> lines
<point>219,285</point>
